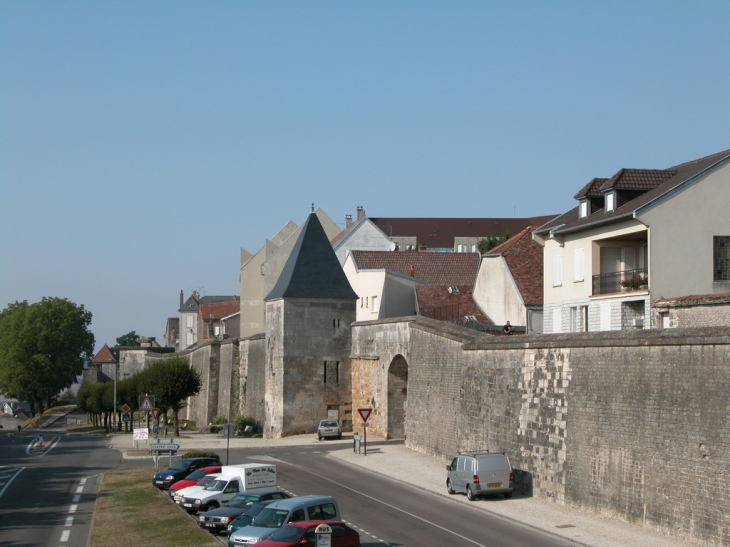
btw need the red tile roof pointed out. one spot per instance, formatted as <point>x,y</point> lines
<point>104,356</point>
<point>219,310</point>
<point>439,233</point>
<point>435,268</point>
<point>524,258</point>
<point>436,302</point>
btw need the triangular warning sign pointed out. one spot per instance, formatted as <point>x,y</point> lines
<point>155,413</point>
<point>364,413</point>
<point>147,403</point>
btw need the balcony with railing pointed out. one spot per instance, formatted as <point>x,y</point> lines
<point>624,281</point>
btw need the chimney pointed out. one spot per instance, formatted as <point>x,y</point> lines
<point>413,271</point>
<point>348,221</point>
<point>360,212</point>
<point>181,299</point>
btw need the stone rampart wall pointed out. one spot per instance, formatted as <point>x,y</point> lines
<point>630,424</point>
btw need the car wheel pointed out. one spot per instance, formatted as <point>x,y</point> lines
<point>469,494</point>
<point>508,495</point>
<point>448,487</point>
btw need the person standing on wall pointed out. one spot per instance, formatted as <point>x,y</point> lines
<point>507,328</point>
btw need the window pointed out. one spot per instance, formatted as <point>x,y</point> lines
<point>297,516</point>
<point>461,248</point>
<point>578,265</point>
<point>474,248</point>
<point>610,201</point>
<point>721,258</point>
<point>557,270</point>
<point>375,304</point>
<point>189,338</point>
<point>664,316</point>
<point>189,321</point>
<point>583,209</point>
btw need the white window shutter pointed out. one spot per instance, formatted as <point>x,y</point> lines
<point>578,265</point>
<point>557,270</point>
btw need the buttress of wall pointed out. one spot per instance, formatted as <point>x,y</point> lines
<point>203,406</point>
<point>228,380</point>
<point>274,370</point>
<point>369,387</point>
<point>252,378</point>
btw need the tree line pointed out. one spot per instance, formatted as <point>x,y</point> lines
<point>171,381</point>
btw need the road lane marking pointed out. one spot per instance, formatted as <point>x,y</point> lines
<point>69,521</point>
<point>73,508</point>
<point>76,499</point>
<point>82,481</point>
<point>392,507</point>
<point>79,489</point>
<point>11,479</point>
<point>64,535</point>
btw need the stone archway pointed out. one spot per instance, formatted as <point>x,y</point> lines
<point>397,397</point>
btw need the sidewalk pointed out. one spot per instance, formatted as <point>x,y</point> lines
<point>392,459</point>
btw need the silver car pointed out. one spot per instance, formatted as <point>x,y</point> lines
<point>329,428</point>
<point>480,474</point>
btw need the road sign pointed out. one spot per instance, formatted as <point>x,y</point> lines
<point>126,417</point>
<point>126,408</point>
<point>141,434</point>
<point>146,402</point>
<point>364,413</point>
<point>324,535</point>
<point>155,413</point>
<point>155,429</point>
<point>166,447</point>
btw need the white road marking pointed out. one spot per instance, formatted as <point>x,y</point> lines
<point>64,535</point>
<point>73,508</point>
<point>69,521</point>
<point>82,481</point>
<point>77,498</point>
<point>15,474</point>
<point>79,489</point>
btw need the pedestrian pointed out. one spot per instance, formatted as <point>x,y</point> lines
<point>507,328</point>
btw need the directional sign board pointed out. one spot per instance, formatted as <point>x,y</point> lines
<point>146,402</point>
<point>364,413</point>
<point>166,447</point>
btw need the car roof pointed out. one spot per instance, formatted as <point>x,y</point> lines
<point>292,503</point>
<point>308,523</point>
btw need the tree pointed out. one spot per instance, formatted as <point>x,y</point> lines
<point>171,381</point>
<point>486,244</point>
<point>43,348</point>
<point>131,339</point>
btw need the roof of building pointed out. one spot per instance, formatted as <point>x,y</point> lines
<point>524,258</point>
<point>694,300</point>
<point>104,356</point>
<point>312,269</point>
<point>435,268</point>
<point>192,304</point>
<point>653,183</point>
<point>444,303</point>
<point>219,310</point>
<point>439,233</point>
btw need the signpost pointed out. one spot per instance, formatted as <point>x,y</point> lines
<point>365,414</point>
<point>323,533</point>
<point>140,434</point>
<point>164,447</point>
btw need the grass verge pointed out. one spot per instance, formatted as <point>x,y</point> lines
<point>130,511</point>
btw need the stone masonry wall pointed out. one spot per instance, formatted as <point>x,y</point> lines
<point>252,378</point>
<point>629,424</point>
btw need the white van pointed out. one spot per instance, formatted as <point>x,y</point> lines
<point>480,474</point>
<point>258,478</point>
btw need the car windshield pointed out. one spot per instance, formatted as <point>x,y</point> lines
<point>217,486</point>
<point>195,475</point>
<point>242,501</point>
<point>287,533</point>
<point>206,480</point>
<point>271,518</point>
<point>179,465</point>
<point>328,424</point>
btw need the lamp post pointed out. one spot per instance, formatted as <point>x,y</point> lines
<point>114,410</point>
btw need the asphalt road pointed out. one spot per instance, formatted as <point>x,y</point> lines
<point>388,512</point>
<point>47,496</point>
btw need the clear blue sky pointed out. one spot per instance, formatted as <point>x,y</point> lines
<point>143,143</point>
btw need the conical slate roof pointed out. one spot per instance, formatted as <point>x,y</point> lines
<point>312,270</point>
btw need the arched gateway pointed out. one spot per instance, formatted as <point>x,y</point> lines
<point>397,397</point>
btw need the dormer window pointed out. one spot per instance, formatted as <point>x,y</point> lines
<point>610,201</point>
<point>583,208</point>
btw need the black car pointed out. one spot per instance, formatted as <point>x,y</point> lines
<point>217,520</point>
<point>246,518</point>
<point>179,470</point>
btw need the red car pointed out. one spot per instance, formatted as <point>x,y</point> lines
<point>193,478</point>
<point>302,533</point>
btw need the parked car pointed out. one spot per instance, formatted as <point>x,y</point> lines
<point>246,518</point>
<point>179,470</point>
<point>179,495</point>
<point>303,533</point>
<point>217,520</point>
<point>480,474</point>
<point>193,478</point>
<point>329,428</point>
<point>282,512</point>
